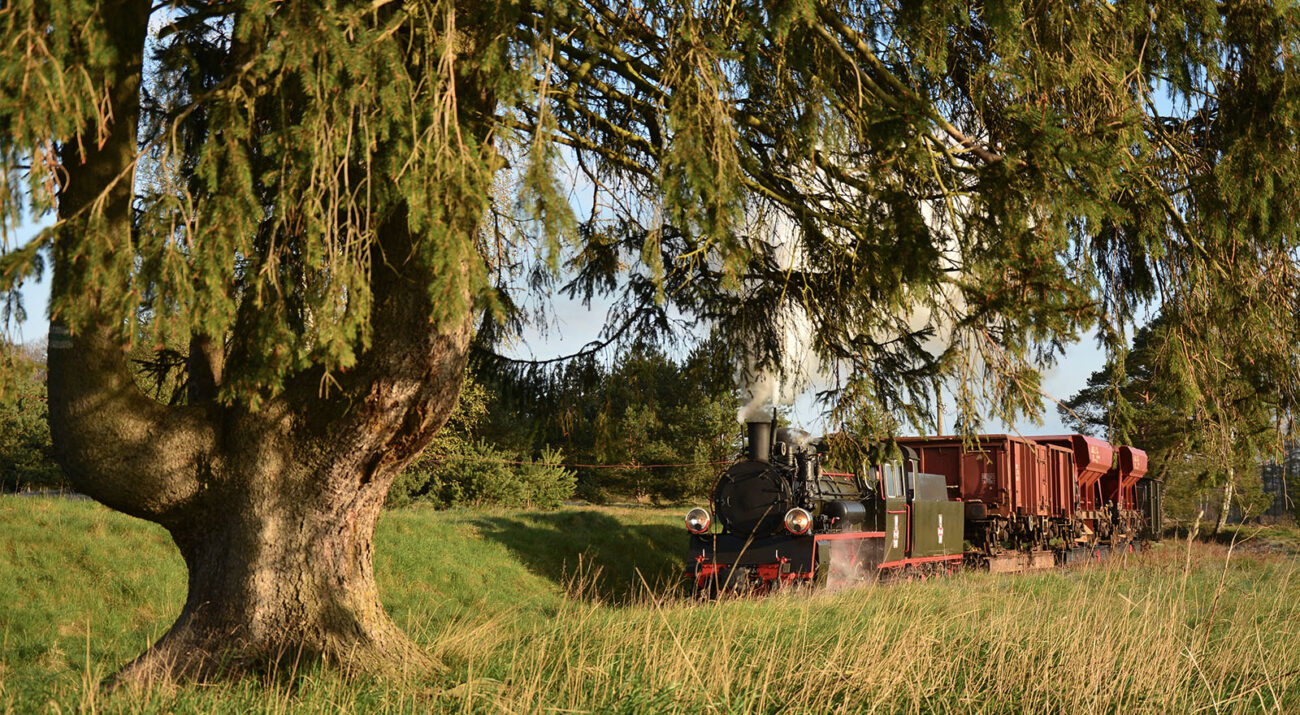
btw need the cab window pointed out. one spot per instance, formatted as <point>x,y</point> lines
<point>893,480</point>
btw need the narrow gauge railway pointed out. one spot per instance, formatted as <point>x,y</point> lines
<point>995,502</point>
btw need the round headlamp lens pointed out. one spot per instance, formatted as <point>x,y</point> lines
<point>798,521</point>
<point>697,520</point>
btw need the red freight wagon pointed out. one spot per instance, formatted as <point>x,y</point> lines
<point>1017,491</point>
<point>997,476</point>
<point>1119,491</point>
<point>1061,480</point>
<point>1119,483</point>
<point>1093,458</point>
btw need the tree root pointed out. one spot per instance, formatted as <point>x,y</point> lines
<point>186,655</point>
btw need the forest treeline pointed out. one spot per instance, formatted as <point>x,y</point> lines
<point>645,425</point>
<point>648,426</point>
<point>26,456</point>
<point>599,429</point>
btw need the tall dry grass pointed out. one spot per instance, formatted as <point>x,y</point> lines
<point>1186,628</point>
<point>538,613</point>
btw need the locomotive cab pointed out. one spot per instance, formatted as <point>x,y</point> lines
<point>920,524</point>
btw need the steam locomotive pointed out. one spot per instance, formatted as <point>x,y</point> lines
<point>784,515</point>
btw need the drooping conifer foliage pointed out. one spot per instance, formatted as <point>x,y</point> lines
<point>319,199</point>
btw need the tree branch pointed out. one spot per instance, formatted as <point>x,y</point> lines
<point>114,442</point>
<point>855,40</point>
<point>590,348</point>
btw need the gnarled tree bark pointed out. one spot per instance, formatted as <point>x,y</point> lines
<point>273,509</point>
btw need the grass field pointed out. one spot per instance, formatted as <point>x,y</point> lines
<point>571,611</point>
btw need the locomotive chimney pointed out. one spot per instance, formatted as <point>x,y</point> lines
<point>760,441</point>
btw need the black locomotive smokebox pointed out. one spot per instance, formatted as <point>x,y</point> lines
<point>752,498</point>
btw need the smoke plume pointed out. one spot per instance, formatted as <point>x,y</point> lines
<point>769,387</point>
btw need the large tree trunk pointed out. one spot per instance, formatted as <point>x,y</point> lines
<point>273,509</point>
<point>275,581</point>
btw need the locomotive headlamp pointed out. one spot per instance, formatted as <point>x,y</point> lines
<point>697,520</point>
<point>798,521</point>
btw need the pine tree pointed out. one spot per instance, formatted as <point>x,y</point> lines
<point>308,197</point>
<point>1204,446</point>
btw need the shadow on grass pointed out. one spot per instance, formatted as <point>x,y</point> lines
<point>593,555</point>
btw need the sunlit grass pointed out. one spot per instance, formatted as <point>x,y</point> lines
<point>578,611</point>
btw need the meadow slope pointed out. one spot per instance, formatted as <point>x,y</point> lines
<point>576,611</point>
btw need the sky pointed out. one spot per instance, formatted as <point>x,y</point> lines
<point>36,294</point>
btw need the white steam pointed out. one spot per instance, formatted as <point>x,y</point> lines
<point>765,389</point>
<point>935,307</point>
